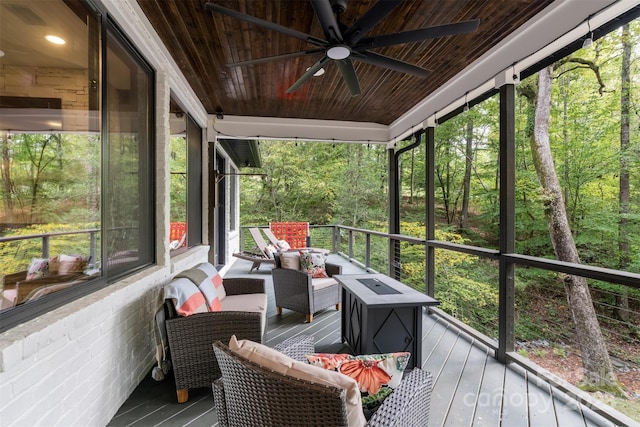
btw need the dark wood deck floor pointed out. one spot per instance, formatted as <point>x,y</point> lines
<point>471,388</point>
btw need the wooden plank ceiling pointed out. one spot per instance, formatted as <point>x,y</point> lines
<point>202,43</point>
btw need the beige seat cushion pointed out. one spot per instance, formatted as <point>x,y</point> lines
<point>247,302</point>
<point>290,260</point>
<point>322,283</point>
<point>278,362</point>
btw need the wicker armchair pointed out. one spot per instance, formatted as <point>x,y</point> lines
<point>298,291</point>
<point>190,338</point>
<point>250,395</point>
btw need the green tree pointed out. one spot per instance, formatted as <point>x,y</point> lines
<point>595,357</point>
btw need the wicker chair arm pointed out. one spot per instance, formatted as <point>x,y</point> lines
<point>190,340</point>
<point>409,403</point>
<point>289,278</point>
<point>332,269</point>
<point>243,285</point>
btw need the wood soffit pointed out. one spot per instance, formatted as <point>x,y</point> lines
<point>202,43</point>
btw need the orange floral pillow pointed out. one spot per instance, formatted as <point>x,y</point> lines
<point>376,374</point>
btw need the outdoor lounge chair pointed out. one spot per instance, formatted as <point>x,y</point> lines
<point>273,239</point>
<point>258,255</point>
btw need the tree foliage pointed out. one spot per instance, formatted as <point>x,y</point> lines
<point>320,183</point>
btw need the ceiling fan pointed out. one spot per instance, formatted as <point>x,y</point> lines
<point>342,45</point>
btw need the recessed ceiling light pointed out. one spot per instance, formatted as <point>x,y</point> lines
<point>55,39</point>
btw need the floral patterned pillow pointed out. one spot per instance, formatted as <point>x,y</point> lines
<point>313,263</point>
<point>376,374</point>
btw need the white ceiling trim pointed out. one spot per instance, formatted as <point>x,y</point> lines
<point>248,127</point>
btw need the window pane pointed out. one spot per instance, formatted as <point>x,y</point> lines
<point>50,152</point>
<point>194,182</point>
<point>129,198</point>
<point>178,178</point>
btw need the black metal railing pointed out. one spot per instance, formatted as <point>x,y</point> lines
<point>474,306</point>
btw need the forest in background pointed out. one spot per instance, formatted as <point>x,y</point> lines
<point>593,131</point>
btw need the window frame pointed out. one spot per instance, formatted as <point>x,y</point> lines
<point>26,312</point>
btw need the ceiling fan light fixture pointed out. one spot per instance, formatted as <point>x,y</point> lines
<point>339,52</point>
<point>317,73</point>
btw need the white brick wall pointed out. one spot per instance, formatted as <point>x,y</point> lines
<point>78,364</point>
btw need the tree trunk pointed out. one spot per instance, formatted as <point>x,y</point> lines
<point>7,185</point>
<point>466,183</point>
<point>625,188</point>
<point>598,371</point>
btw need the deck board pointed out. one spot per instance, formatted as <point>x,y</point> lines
<point>448,380</point>
<point>541,413</point>
<point>471,388</point>
<point>489,399</point>
<point>463,403</point>
<point>514,403</point>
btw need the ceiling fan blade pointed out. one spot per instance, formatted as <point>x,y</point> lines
<point>349,75</point>
<point>418,35</point>
<point>307,75</point>
<point>327,19</point>
<point>390,63</point>
<point>212,7</point>
<point>275,58</point>
<point>370,19</point>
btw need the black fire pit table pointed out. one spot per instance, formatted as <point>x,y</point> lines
<point>382,315</point>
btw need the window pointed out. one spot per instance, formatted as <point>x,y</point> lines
<point>76,199</point>
<point>128,199</point>
<point>194,189</point>
<point>178,179</point>
<point>186,181</point>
